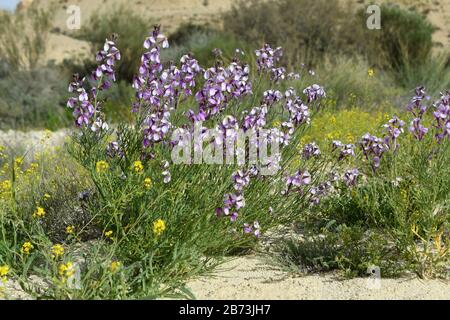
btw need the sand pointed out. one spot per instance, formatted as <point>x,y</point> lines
<point>251,277</point>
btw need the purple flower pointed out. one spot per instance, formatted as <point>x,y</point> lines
<point>373,149</point>
<point>310,150</point>
<point>266,58</point>
<point>350,177</point>
<point>393,129</point>
<point>346,150</point>
<point>295,182</point>
<point>86,109</point>
<point>415,106</point>
<point>417,129</point>
<point>314,92</point>
<point>240,180</point>
<point>442,117</point>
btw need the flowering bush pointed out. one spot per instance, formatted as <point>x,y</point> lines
<point>399,188</point>
<point>128,216</point>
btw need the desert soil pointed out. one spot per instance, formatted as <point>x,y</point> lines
<point>251,277</point>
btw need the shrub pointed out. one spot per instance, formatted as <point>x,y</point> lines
<point>405,39</point>
<point>42,105</point>
<point>402,189</point>
<point>307,29</point>
<point>154,223</point>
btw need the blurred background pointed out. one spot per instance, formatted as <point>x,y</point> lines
<point>43,42</point>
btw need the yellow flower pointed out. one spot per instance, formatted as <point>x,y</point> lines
<point>57,251</point>
<point>101,166</point>
<point>158,227</point>
<point>47,196</point>
<point>39,213</point>
<point>115,265</point>
<point>18,162</point>
<point>66,270</point>
<point>5,185</point>
<point>109,234</point>
<point>370,72</point>
<point>4,272</point>
<point>276,123</point>
<point>70,229</point>
<point>147,183</point>
<point>27,247</point>
<point>138,167</point>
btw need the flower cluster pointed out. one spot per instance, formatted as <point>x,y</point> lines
<point>57,251</point>
<point>373,149</point>
<point>39,212</point>
<point>221,86</point>
<point>266,57</point>
<point>252,228</point>
<point>351,176</point>
<point>314,92</point>
<point>442,117</point>
<point>4,270</point>
<point>393,130</point>
<point>418,109</point>
<point>158,227</point>
<point>345,150</point>
<point>297,181</point>
<point>66,270</point>
<point>86,107</point>
<point>310,150</point>
<point>235,201</point>
<point>26,248</point>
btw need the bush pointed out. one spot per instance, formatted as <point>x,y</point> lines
<point>151,224</point>
<point>404,194</point>
<point>404,41</point>
<point>33,99</point>
<point>307,29</point>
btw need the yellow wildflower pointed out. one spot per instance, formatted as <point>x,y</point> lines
<point>57,251</point>
<point>39,213</point>
<point>371,72</point>
<point>27,247</point>
<point>66,270</point>
<point>115,265</point>
<point>109,234</point>
<point>147,183</point>
<point>138,167</point>
<point>4,272</point>
<point>158,227</point>
<point>70,229</point>
<point>101,166</point>
<point>47,196</point>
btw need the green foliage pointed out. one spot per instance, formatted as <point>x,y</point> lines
<point>33,98</point>
<point>308,30</point>
<point>405,39</point>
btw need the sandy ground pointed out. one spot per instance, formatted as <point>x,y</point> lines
<point>29,143</point>
<point>252,278</point>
